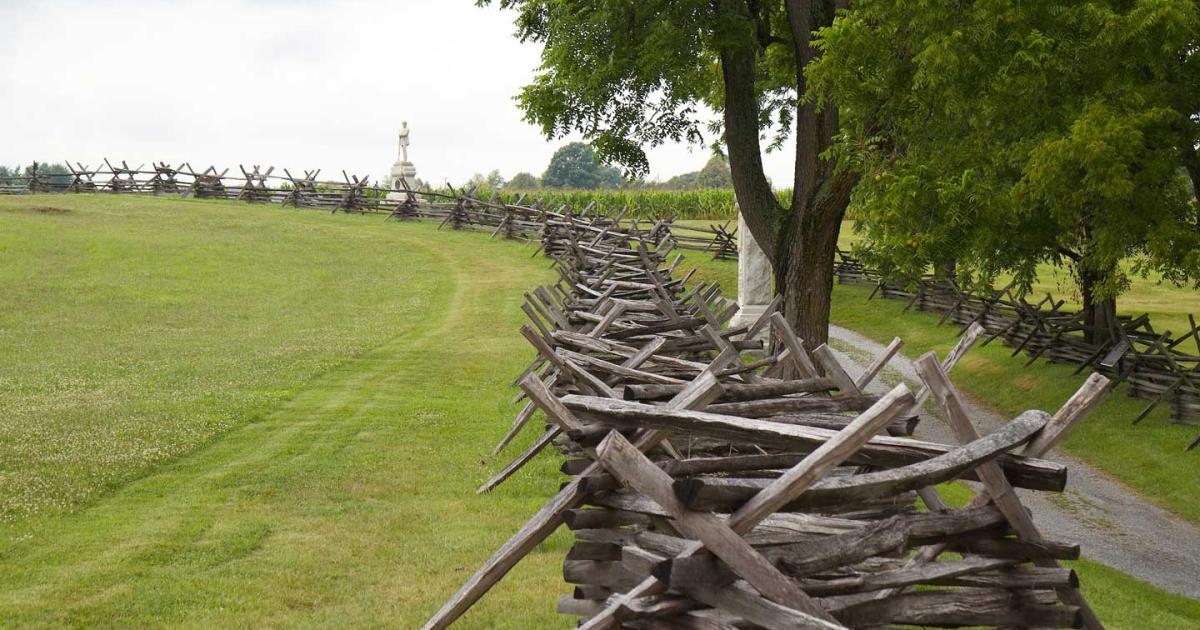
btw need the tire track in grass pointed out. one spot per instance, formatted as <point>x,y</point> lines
<point>350,504</point>
<point>283,439</point>
<point>272,439</point>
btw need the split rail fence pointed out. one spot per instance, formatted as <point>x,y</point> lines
<point>1158,366</point>
<point>717,481</point>
<point>525,219</point>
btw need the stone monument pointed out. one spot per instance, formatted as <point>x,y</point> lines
<point>754,278</point>
<point>403,171</point>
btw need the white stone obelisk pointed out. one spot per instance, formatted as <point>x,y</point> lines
<point>754,278</point>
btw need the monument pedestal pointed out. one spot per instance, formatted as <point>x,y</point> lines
<point>754,279</point>
<point>406,171</point>
<point>402,170</point>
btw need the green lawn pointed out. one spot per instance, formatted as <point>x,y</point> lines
<point>223,415</point>
<point>256,416</point>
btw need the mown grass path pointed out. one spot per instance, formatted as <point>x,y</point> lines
<point>350,504</point>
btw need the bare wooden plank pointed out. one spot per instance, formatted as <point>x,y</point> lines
<point>520,461</point>
<point>623,460</point>
<point>868,375</point>
<point>745,603</point>
<point>795,346</point>
<point>993,478</point>
<point>879,451</point>
<point>834,370</point>
<point>791,484</point>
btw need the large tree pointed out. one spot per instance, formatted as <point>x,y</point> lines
<point>632,74</point>
<point>576,166</point>
<point>523,181</point>
<point>715,174</point>
<point>994,137</point>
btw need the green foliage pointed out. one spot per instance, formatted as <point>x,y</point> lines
<point>1004,135</point>
<point>523,181</point>
<point>47,169</point>
<point>715,174</point>
<point>632,75</point>
<point>53,172</point>
<point>491,181</point>
<point>575,166</point>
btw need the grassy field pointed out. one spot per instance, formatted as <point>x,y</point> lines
<point>237,416</point>
<point>243,416</point>
<point>136,330</point>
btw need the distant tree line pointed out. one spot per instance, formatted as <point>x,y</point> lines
<point>57,173</point>
<point>575,166</point>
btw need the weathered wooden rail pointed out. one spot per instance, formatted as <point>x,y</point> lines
<point>718,481</point>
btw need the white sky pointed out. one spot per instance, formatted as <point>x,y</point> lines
<point>289,83</point>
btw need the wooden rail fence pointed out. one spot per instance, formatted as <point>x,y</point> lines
<point>526,219</point>
<point>1158,366</point>
<point>717,481</point>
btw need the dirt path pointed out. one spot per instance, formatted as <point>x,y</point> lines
<point>1113,525</point>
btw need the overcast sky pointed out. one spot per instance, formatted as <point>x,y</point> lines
<point>295,83</point>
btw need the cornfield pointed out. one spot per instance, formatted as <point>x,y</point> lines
<point>640,204</point>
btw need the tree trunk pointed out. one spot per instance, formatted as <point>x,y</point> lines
<point>800,240</point>
<point>805,277</point>
<point>1099,315</point>
<point>756,200</point>
<point>820,193</point>
<point>804,259</point>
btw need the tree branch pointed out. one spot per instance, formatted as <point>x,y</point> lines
<point>1071,254</point>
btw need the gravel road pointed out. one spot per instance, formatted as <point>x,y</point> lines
<point>1112,524</point>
